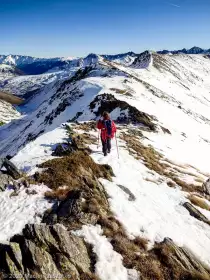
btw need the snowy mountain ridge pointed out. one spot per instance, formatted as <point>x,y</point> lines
<point>193,50</point>
<point>161,106</point>
<point>22,59</point>
<point>32,65</point>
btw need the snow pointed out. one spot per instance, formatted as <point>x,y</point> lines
<point>17,211</point>
<point>38,151</point>
<point>109,263</point>
<point>157,211</point>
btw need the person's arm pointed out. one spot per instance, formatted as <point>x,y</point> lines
<point>99,124</point>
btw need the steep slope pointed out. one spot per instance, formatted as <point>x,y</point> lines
<point>142,61</point>
<point>161,104</point>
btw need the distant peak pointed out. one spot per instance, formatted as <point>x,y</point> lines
<point>193,50</point>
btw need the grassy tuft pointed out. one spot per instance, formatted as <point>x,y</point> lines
<point>199,202</point>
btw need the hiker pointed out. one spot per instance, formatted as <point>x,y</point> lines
<point>108,130</point>
<point>11,169</point>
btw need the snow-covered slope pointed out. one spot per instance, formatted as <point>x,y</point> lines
<point>167,99</point>
<point>7,71</point>
<point>33,66</point>
<point>17,60</point>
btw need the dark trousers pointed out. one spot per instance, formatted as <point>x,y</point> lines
<point>106,145</point>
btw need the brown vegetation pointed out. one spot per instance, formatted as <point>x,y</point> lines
<point>153,160</point>
<point>121,91</point>
<point>199,202</point>
<point>78,172</point>
<point>12,99</point>
<point>117,90</point>
<point>73,171</point>
<point>88,276</point>
<point>86,126</point>
<point>82,140</point>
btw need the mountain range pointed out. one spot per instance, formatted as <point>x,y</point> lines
<point>140,213</point>
<point>193,50</point>
<point>32,66</point>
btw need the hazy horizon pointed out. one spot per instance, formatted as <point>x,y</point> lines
<point>86,54</point>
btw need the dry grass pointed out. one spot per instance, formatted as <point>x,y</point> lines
<point>121,91</point>
<point>199,180</point>
<point>88,276</point>
<point>59,194</point>
<point>141,242</point>
<point>171,266</point>
<point>153,161</point>
<point>117,90</point>
<point>198,202</point>
<point>79,172</point>
<point>82,140</point>
<point>198,276</point>
<point>73,171</point>
<point>86,126</point>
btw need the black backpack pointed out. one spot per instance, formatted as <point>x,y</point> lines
<point>108,125</point>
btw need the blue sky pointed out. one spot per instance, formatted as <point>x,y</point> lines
<point>49,28</point>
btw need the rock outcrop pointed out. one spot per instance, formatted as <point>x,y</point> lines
<point>73,212</point>
<point>196,213</point>
<point>180,262</point>
<point>143,60</point>
<point>45,252</point>
<point>127,113</point>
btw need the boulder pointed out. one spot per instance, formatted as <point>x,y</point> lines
<point>63,150</point>
<point>196,213</point>
<point>180,259</point>
<point>70,212</point>
<point>12,170</point>
<point>43,252</point>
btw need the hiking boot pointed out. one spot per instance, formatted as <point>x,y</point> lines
<point>105,154</point>
<point>108,151</point>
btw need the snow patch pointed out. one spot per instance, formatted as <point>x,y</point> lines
<point>21,209</point>
<point>109,264</point>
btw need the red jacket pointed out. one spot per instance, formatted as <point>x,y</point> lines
<point>104,135</point>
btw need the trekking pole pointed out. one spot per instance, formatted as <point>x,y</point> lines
<point>117,146</point>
